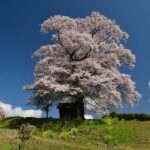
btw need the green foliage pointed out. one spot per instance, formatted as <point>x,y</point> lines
<point>130,116</point>
<point>76,131</point>
<point>87,134</point>
<point>69,133</point>
<point>142,117</point>
<point>122,135</point>
<point>114,134</point>
<point>76,122</point>
<point>36,131</point>
<point>49,134</point>
<point>65,135</point>
<point>109,137</point>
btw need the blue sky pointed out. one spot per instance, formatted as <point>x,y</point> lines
<point>20,36</point>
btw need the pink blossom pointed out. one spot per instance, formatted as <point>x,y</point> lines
<point>85,60</point>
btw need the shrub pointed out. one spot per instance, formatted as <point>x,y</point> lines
<point>24,134</point>
<point>36,131</point>
<point>113,115</point>
<point>130,116</point>
<point>109,128</point>
<point>120,116</point>
<point>143,117</point>
<point>65,135</point>
<point>48,134</point>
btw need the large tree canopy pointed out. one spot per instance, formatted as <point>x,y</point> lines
<point>84,62</point>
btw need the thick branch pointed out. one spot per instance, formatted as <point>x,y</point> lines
<point>84,57</point>
<point>61,43</point>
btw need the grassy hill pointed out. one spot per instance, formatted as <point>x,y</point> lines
<point>53,134</point>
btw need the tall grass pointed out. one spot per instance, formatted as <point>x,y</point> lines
<point>77,135</point>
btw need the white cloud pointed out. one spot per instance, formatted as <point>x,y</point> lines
<point>149,84</point>
<point>10,111</point>
<point>88,116</point>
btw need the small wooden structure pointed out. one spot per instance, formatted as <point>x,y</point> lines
<point>69,111</point>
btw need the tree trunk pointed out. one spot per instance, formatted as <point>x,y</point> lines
<point>46,110</point>
<point>80,108</point>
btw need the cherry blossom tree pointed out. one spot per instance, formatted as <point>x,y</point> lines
<point>84,62</point>
<point>41,102</point>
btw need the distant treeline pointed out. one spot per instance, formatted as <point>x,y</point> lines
<point>131,116</point>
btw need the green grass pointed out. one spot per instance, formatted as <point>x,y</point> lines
<point>88,134</point>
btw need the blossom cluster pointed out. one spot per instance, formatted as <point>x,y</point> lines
<point>85,60</point>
